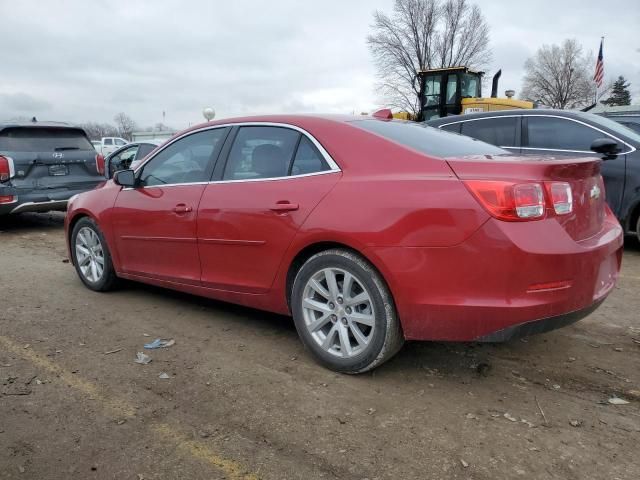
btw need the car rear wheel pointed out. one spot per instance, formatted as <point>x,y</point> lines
<point>344,312</point>
<point>91,256</point>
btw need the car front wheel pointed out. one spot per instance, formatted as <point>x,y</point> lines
<point>344,312</point>
<point>91,256</point>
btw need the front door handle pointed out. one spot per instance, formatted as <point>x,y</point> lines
<point>285,206</point>
<point>182,208</point>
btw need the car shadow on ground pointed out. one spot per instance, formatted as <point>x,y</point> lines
<point>445,359</point>
<point>32,222</point>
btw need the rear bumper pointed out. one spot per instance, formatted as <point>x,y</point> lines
<point>37,200</point>
<point>539,326</point>
<point>489,287</point>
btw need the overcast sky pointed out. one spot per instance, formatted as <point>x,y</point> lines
<point>88,60</point>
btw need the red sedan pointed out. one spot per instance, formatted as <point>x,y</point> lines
<point>367,231</point>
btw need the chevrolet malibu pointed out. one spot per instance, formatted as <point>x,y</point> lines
<point>368,231</point>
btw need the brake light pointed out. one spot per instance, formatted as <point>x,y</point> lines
<point>100,164</point>
<point>7,199</point>
<point>509,201</point>
<point>561,197</point>
<point>6,168</point>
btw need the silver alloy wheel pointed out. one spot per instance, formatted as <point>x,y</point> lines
<point>338,312</point>
<point>89,254</point>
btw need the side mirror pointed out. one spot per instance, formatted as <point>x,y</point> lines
<point>125,178</point>
<point>606,146</point>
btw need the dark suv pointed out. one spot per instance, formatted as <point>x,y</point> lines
<point>42,165</point>
<point>566,133</point>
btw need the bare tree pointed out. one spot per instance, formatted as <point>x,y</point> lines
<point>125,125</point>
<point>424,34</point>
<point>96,131</point>
<point>559,76</point>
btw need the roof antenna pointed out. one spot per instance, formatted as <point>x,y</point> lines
<point>34,119</point>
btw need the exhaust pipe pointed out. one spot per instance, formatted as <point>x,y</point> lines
<point>494,85</point>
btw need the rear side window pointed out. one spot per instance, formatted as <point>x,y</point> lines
<point>496,131</point>
<point>560,134</point>
<point>308,159</point>
<point>108,141</point>
<point>42,139</point>
<point>428,140</point>
<point>452,127</point>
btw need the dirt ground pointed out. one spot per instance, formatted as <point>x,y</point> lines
<point>244,401</point>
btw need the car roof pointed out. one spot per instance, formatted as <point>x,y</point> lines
<point>300,120</point>
<point>509,113</point>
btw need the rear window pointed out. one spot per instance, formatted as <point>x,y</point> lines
<point>41,139</point>
<point>429,140</point>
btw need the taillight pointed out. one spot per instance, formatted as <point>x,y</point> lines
<point>100,164</point>
<point>509,201</point>
<point>561,197</point>
<point>7,199</point>
<point>6,168</point>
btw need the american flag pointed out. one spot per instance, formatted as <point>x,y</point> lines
<point>598,76</point>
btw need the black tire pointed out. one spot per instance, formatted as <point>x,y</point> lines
<point>638,229</point>
<point>108,279</point>
<point>386,336</point>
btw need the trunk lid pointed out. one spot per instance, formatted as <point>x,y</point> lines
<point>47,157</point>
<point>582,174</point>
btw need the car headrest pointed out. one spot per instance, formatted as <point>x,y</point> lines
<point>269,161</point>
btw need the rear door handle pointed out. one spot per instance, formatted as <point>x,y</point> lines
<point>182,208</point>
<point>285,206</point>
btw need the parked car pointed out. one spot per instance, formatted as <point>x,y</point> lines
<point>629,121</point>
<point>130,155</point>
<point>564,133</point>
<point>110,144</point>
<point>43,164</point>
<point>97,144</point>
<point>367,231</point>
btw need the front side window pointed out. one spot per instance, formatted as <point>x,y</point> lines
<point>188,160</point>
<point>452,127</point>
<point>261,152</point>
<point>497,131</point>
<point>144,150</point>
<point>560,134</point>
<point>120,142</point>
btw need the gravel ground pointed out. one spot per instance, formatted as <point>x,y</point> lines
<point>244,401</point>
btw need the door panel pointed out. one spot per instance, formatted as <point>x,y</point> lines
<point>155,231</point>
<point>244,228</point>
<point>155,224</point>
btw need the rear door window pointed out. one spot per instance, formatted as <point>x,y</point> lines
<point>497,131</point>
<point>261,152</point>
<point>42,139</point>
<point>108,141</point>
<point>555,133</point>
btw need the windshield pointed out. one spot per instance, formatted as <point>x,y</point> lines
<point>429,140</point>
<point>615,127</point>
<point>43,139</point>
